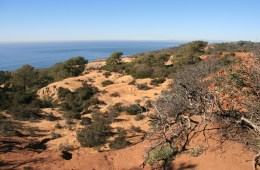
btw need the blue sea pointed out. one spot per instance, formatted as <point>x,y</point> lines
<point>42,55</point>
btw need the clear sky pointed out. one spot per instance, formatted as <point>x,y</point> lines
<point>63,20</point>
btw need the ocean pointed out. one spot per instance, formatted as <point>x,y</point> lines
<point>42,55</point>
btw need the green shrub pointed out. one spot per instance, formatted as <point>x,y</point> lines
<point>114,62</point>
<point>92,136</point>
<point>196,152</point>
<point>86,92</point>
<point>226,60</point>
<point>24,113</point>
<point>136,128</point>
<point>51,117</point>
<point>156,82</point>
<point>140,71</point>
<point>107,74</point>
<point>24,98</point>
<point>69,68</point>
<point>120,141</point>
<point>117,108</point>
<point>8,128</point>
<point>106,83</point>
<point>115,94</point>
<point>134,109</point>
<point>5,100</point>
<point>62,92</point>
<point>46,103</point>
<point>112,115</point>
<point>85,121</point>
<point>72,102</point>
<point>132,82</point>
<point>103,92</point>
<point>93,102</point>
<point>69,122</point>
<point>71,115</point>
<point>148,66</point>
<point>97,133</point>
<point>58,126</point>
<point>80,99</point>
<point>238,79</point>
<point>5,77</point>
<point>164,154</point>
<point>143,86</point>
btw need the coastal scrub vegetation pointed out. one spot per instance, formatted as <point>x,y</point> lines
<point>78,101</point>
<point>194,100</point>
<point>191,107</point>
<point>114,63</point>
<point>152,65</point>
<point>97,132</point>
<point>18,88</point>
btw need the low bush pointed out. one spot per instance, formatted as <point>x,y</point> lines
<point>196,152</point>
<point>132,82</point>
<point>24,113</point>
<point>112,115</point>
<point>114,62</point>
<point>86,91</point>
<point>51,117</point>
<point>97,133</point>
<point>226,60</point>
<point>107,74</point>
<point>80,99</point>
<point>117,108</point>
<point>93,135</point>
<point>62,92</point>
<point>156,82</point>
<point>71,116</point>
<point>93,102</point>
<point>120,141</point>
<point>115,94</point>
<point>8,128</point>
<point>85,121</point>
<point>139,117</point>
<point>106,83</point>
<point>143,86</point>
<point>136,128</point>
<point>134,109</point>
<point>24,98</point>
<point>163,155</point>
<point>58,126</point>
<point>72,103</point>
<point>46,103</point>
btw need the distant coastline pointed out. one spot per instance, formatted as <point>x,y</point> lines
<point>45,54</point>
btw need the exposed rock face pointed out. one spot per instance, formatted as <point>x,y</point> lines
<point>204,57</point>
<point>95,64</point>
<point>170,61</point>
<point>101,62</point>
<point>49,91</point>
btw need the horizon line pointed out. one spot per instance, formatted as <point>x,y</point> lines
<point>115,40</point>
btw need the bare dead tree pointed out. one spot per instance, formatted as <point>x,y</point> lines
<point>181,111</point>
<point>255,84</point>
<point>186,106</point>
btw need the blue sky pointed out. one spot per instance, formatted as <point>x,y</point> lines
<point>64,20</point>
